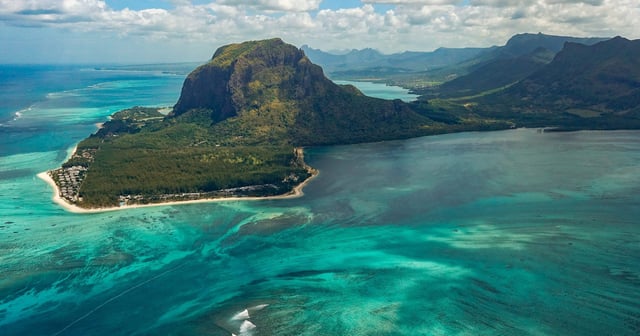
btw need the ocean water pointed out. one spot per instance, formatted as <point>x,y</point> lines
<point>499,233</point>
<point>380,90</point>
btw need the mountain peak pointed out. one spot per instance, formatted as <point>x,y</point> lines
<point>226,54</point>
<point>522,44</point>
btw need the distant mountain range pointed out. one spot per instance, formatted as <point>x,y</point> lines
<point>373,61</point>
<point>443,63</point>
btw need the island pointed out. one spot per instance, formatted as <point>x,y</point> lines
<point>242,120</point>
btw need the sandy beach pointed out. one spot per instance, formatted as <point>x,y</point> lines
<point>297,191</point>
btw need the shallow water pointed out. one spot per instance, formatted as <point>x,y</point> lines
<point>499,233</point>
<point>381,90</point>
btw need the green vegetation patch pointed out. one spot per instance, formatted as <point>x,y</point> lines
<point>138,158</point>
<point>229,53</point>
<point>169,172</point>
<point>584,113</point>
<point>138,113</point>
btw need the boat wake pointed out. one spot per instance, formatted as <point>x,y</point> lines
<point>247,327</point>
<point>243,315</point>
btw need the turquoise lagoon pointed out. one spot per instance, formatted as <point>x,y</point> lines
<point>499,233</point>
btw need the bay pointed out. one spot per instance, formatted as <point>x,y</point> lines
<point>513,233</point>
<point>381,90</point>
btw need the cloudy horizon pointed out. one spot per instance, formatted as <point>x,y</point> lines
<point>147,31</point>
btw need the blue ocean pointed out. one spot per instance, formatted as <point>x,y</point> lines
<point>499,233</point>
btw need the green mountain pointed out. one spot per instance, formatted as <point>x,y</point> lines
<point>269,92</point>
<point>584,86</point>
<point>496,67</point>
<point>522,45</point>
<point>494,74</point>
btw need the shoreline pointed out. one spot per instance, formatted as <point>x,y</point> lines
<point>296,192</point>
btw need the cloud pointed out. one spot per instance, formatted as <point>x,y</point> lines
<point>588,2</point>
<point>413,2</point>
<point>277,5</point>
<point>498,3</point>
<point>352,21</point>
<point>527,3</point>
<point>405,25</point>
<point>40,12</point>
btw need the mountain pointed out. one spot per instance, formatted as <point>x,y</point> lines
<point>271,91</point>
<point>422,72</point>
<point>494,74</point>
<point>521,56</point>
<point>363,62</point>
<point>523,44</point>
<point>595,86</point>
<point>350,60</point>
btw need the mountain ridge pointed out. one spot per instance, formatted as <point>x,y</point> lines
<point>407,61</point>
<point>595,86</point>
<point>423,72</point>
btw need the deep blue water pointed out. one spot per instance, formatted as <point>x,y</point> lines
<point>499,233</point>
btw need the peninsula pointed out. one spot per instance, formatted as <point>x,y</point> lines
<point>237,131</point>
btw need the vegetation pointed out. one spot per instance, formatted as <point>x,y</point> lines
<point>122,170</point>
<point>492,75</point>
<point>166,159</point>
<point>583,87</point>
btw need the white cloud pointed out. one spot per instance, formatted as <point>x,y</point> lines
<point>586,2</point>
<point>277,5</point>
<point>527,3</point>
<point>353,21</point>
<point>37,12</point>
<point>413,2</point>
<point>408,25</point>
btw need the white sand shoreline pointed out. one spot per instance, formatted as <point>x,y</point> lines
<point>296,192</point>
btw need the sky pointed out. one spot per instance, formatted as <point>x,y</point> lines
<point>156,31</point>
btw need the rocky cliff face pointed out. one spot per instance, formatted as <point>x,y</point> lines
<point>269,90</point>
<point>239,74</point>
<point>205,87</point>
